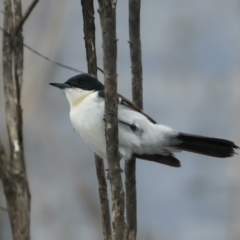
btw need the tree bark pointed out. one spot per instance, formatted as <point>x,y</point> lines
<point>107,11</point>
<point>103,195</point>
<point>89,37</point>
<point>13,171</point>
<point>137,93</point>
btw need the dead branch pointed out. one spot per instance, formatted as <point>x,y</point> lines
<point>50,60</point>
<point>3,170</point>
<point>107,11</point>
<point>13,171</point>
<point>137,89</point>
<point>3,162</point>
<point>103,195</point>
<point>89,37</point>
<point>26,15</point>
<point>136,52</point>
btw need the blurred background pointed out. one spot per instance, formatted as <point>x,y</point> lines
<point>191,60</point>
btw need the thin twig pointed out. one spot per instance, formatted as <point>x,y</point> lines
<point>89,37</point>
<point>43,56</point>
<point>55,62</point>
<point>49,59</point>
<point>107,11</point>
<point>26,15</point>
<point>137,89</point>
<point>100,70</point>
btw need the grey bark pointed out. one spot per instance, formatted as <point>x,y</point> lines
<point>26,15</point>
<point>13,171</point>
<point>107,11</point>
<point>89,37</point>
<point>103,195</point>
<point>137,93</point>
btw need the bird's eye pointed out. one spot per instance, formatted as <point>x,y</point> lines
<point>81,83</point>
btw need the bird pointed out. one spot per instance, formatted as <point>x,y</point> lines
<point>139,135</point>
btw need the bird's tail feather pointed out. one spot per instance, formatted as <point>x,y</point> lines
<point>205,145</point>
<point>167,160</point>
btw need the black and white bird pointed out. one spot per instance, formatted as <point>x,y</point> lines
<point>139,135</point>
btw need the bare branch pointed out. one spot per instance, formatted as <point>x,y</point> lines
<point>131,199</point>
<point>136,51</point>
<point>100,70</point>
<point>107,10</point>
<point>14,178</point>
<point>26,15</point>
<point>103,195</point>
<point>3,162</point>
<point>89,37</point>
<point>52,61</point>
<point>137,89</point>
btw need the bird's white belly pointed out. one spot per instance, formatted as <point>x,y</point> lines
<point>87,120</point>
<point>89,124</point>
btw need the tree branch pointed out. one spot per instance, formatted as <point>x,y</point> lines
<point>26,15</point>
<point>89,37</point>
<point>107,11</point>
<point>3,162</point>
<point>137,89</point>
<point>50,60</point>
<point>103,195</point>
<point>14,178</point>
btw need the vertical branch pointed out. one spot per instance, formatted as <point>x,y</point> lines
<point>3,163</point>
<point>102,186</point>
<point>136,51</point>
<point>107,10</point>
<point>18,48</point>
<point>14,176</point>
<point>89,37</point>
<point>137,89</point>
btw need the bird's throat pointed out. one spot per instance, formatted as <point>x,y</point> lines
<point>79,100</point>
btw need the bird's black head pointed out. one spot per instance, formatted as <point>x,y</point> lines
<point>86,82</point>
<point>83,81</point>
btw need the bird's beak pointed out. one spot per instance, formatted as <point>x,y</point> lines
<point>60,85</point>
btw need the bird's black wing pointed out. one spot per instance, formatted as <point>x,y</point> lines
<point>169,160</point>
<point>125,102</point>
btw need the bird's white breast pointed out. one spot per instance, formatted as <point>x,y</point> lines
<point>87,113</point>
<point>87,120</point>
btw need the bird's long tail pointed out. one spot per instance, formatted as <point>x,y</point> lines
<point>214,147</point>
